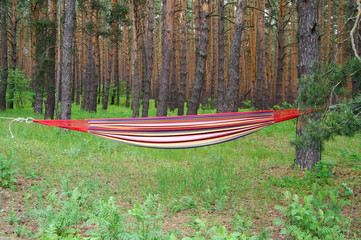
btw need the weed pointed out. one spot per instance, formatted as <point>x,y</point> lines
<point>7,172</point>
<point>314,216</point>
<point>184,203</point>
<point>12,219</point>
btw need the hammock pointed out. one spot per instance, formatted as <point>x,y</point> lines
<point>180,131</point>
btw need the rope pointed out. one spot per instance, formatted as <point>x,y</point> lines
<point>26,120</point>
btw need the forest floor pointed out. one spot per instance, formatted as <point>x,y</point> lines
<point>72,185</point>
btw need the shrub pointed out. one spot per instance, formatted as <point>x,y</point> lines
<point>313,217</point>
<point>7,172</point>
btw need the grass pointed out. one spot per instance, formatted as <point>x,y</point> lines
<point>207,184</point>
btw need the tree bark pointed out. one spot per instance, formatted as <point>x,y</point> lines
<point>201,58</point>
<point>50,75</point>
<point>261,60</point>
<point>109,74</point>
<point>4,62</point>
<point>309,52</point>
<point>183,60</point>
<point>66,61</point>
<point>134,62</point>
<point>280,54</point>
<point>13,43</point>
<point>166,55</point>
<point>149,59</point>
<point>220,91</point>
<point>232,97</point>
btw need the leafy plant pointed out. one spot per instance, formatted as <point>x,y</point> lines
<point>108,219</point>
<point>20,91</point>
<point>63,212</point>
<point>322,172</point>
<point>313,217</point>
<point>183,203</point>
<point>7,172</point>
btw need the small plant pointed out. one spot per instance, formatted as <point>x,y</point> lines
<point>184,203</point>
<point>321,172</point>
<point>242,222</point>
<point>347,191</point>
<point>63,212</point>
<point>315,217</point>
<point>7,172</point>
<point>12,219</point>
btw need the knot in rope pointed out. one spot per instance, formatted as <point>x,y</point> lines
<point>26,120</point>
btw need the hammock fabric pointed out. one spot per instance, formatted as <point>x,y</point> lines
<point>177,132</point>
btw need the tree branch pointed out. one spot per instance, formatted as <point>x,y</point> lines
<point>354,29</point>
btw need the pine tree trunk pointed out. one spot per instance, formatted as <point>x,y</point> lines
<point>232,97</point>
<point>13,43</point>
<point>183,60</point>
<point>4,62</point>
<point>134,62</point>
<point>109,74</point>
<point>309,52</point>
<point>50,86</point>
<point>149,58</point>
<point>166,57</point>
<point>116,72</point>
<point>173,79</point>
<point>201,58</point>
<point>221,88</point>
<point>280,54</point>
<point>261,60</point>
<point>66,62</point>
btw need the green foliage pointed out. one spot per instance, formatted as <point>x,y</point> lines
<point>7,172</point>
<point>108,219</point>
<point>12,218</point>
<point>184,203</point>
<point>20,93</point>
<point>324,88</point>
<point>313,217</point>
<point>63,212</point>
<point>351,158</point>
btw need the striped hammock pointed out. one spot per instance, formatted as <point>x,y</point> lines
<point>180,131</point>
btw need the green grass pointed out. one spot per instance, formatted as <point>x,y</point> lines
<point>207,183</point>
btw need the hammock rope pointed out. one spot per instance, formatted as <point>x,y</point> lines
<point>26,120</point>
<point>180,131</point>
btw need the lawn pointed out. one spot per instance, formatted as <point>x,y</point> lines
<point>73,185</point>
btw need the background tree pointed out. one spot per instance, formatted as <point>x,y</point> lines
<point>201,58</point>
<point>4,51</point>
<point>67,60</point>
<point>232,98</point>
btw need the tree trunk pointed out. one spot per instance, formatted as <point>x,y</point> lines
<point>173,78</point>
<point>201,58</point>
<point>4,62</point>
<point>116,72</point>
<point>107,87</point>
<point>166,56</point>
<point>13,51</point>
<point>183,60</point>
<point>309,52</point>
<point>214,57</point>
<point>232,97</point>
<point>50,86</point>
<point>149,58</point>
<point>281,53</point>
<point>220,92</point>
<point>134,63</point>
<point>261,60</point>
<point>58,61</point>
<point>66,61</point>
